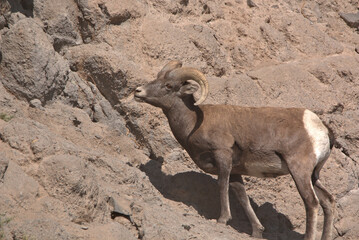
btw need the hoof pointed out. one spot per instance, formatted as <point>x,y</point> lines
<point>224,220</point>
<point>257,233</point>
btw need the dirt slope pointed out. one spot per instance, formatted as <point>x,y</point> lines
<point>80,159</point>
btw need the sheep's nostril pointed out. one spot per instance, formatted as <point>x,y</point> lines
<point>138,90</point>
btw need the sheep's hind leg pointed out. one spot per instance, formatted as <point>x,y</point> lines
<point>327,202</point>
<point>303,181</point>
<point>236,183</point>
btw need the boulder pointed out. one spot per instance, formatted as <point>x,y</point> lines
<point>34,138</point>
<point>348,211</point>
<point>60,20</point>
<point>98,65</point>
<point>72,180</point>
<point>30,68</point>
<point>19,186</point>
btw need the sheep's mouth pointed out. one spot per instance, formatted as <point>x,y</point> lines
<point>138,98</point>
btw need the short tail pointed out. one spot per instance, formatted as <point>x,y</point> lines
<point>331,136</point>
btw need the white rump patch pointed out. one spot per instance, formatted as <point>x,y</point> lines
<point>318,134</point>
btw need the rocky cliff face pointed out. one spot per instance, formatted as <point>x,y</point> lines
<point>79,159</point>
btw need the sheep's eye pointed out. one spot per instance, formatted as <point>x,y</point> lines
<point>168,86</point>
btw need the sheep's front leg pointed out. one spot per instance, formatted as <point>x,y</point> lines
<point>223,159</point>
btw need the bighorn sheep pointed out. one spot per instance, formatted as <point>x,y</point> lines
<point>231,141</point>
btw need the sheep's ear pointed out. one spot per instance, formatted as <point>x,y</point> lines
<point>189,87</point>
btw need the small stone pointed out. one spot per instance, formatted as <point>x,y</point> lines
<point>121,207</point>
<point>251,4</point>
<point>76,122</point>
<point>118,150</point>
<point>36,103</point>
<point>187,227</point>
<point>73,67</point>
<point>206,9</point>
<point>357,49</point>
<point>351,19</point>
<point>268,19</point>
<point>84,228</point>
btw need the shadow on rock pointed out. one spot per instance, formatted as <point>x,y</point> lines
<point>25,7</point>
<point>277,225</point>
<point>200,191</point>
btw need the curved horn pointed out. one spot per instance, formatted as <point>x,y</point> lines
<point>169,67</point>
<point>187,73</point>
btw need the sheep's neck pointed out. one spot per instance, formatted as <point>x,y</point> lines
<point>183,118</point>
